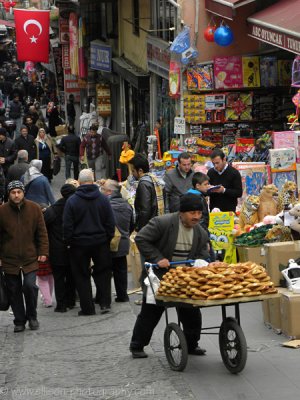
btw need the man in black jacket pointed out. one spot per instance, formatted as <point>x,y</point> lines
<point>16,171</point>
<point>145,203</point>
<point>58,252</point>
<point>70,145</point>
<point>26,142</point>
<point>230,181</point>
<point>171,237</point>
<point>8,152</point>
<point>88,227</point>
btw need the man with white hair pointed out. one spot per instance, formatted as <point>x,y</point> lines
<point>16,171</point>
<point>88,227</point>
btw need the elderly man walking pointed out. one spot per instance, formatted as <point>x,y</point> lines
<point>23,242</point>
<point>88,227</point>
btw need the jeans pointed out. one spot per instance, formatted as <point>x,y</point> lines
<point>69,161</point>
<point>80,257</point>
<point>16,289</point>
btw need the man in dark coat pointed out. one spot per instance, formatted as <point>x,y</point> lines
<point>8,152</point>
<point>16,171</point>
<point>26,142</point>
<point>230,181</point>
<point>70,145</point>
<point>88,227</point>
<point>58,252</point>
<point>171,237</point>
<point>23,243</point>
<point>124,222</point>
<point>32,128</point>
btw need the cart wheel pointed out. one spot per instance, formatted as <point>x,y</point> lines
<point>233,346</point>
<point>175,347</point>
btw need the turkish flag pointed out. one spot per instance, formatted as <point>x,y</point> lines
<point>32,35</point>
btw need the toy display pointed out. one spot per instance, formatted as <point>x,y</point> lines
<point>248,215</point>
<point>268,205</point>
<point>287,197</point>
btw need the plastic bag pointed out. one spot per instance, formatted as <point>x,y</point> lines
<point>150,294</point>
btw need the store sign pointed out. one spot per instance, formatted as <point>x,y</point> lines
<point>71,84</point>
<point>158,57</point>
<point>63,31</point>
<point>179,126</point>
<point>278,39</point>
<point>100,56</point>
<point>65,56</point>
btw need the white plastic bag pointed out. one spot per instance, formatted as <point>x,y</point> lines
<point>200,263</point>
<point>150,296</point>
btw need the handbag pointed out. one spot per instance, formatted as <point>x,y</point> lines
<point>4,303</point>
<point>56,165</point>
<point>61,129</point>
<point>115,241</point>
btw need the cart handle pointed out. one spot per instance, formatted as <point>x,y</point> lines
<point>172,263</point>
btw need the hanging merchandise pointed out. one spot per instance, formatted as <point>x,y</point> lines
<point>296,72</point>
<point>182,45</point>
<point>209,33</point>
<point>223,35</point>
<point>174,79</point>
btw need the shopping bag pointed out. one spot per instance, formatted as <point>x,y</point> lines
<point>115,241</point>
<point>61,129</point>
<point>151,280</point>
<point>4,303</point>
<point>56,165</point>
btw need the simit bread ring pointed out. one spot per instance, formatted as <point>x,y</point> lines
<point>216,297</point>
<point>237,294</point>
<point>250,294</point>
<point>214,290</point>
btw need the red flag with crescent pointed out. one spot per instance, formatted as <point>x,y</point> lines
<point>32,35</point>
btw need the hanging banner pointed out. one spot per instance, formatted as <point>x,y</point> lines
<point>81,56</point>
<point>65,56</point>
<point>174,80</point>
<point>32,35</point>
<point>64,36</point>
<point>71,84</point>
<point>73,31</point>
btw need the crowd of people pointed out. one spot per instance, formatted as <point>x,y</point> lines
<point>61,245</point>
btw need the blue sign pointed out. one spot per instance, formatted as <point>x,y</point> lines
<point>100,56</point>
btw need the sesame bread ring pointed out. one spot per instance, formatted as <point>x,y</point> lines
<point>214,290</point>
<point>236,294</point>
<point>271,290</point>
<point>201,279</point>
<point>228,291</point>
<point>250,294</point>
<point>194,283</point>
<point>218,296</point>
<point>227,286</point>
<point>206,287</point>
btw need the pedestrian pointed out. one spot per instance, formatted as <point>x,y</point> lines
<point>37,185</point>
<point>54,119</point>
<point>123,214</point>
<point>8,152</point>
<point>23,243</point>
<point>93,145</point>
<point>16,171</point>
<point>148,201</point>
<point>171,237</point>
<point>32,128</point>
<point>26,142</point>
<point>88,227</point>
<point>59,257</point>
<point>15,113</point>
<point>226,195</point>
<point>70,146</point>
<point>178,181</point>
<point>71,112</point>
<point>46,152</point>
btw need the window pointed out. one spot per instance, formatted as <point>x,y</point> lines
<point>163,18</point>
<point>135,17</point>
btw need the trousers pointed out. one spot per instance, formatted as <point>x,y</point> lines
<point>80,257</point>
<point>119,268</point>
<point>69,160</point>
<point>64,285</point>
<point>17,288</point>
<point>149,317</point>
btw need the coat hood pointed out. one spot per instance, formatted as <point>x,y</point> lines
<point>88,192</point>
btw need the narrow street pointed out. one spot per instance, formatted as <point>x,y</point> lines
<point>73,357</point>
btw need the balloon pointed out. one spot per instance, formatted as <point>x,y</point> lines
<point>209,33</point>
<point>223,36</point>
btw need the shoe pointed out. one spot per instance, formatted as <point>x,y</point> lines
<point>34,324</point>
<point>19,328</point>
<point>60,309</point>
<point>81,313</point>
<point>105,309</point>
<point>47,305</point>
<point>70,306</point>
<point>197,351</point>
<point>118,300</point>
<point>138,353</point>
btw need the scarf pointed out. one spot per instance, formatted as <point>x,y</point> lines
<point>33,172</point>
<point>158,186</point>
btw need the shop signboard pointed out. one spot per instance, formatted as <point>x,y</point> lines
<point>179,126</point>
<point>65,56</point>
<point>63,25</point>
<point>158,56</point>
<point>281,39</point>
<point>73,31</point>
<point>100,56</point>
<point>71,84</point>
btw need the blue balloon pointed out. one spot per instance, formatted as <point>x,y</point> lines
<point>223,36</point>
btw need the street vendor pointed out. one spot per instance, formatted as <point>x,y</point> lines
<point>171,237</point>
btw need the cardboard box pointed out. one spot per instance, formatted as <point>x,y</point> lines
<point>280,253</point>
<point>275,314</point>
<point>255,254</point>
<point>290,311</point>
<point>266,312</point>
<point>134,264</point>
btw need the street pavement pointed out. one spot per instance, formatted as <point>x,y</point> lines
<point>72,357</point>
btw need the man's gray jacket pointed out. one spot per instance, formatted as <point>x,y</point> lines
<point>157,240</point>
<point>175,186</point>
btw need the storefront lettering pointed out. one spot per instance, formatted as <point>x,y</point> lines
<point>293,44</point>
<point>268,36</point>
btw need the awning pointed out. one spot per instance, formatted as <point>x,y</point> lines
<point>131,73</point>
<point>10,24</point>
<point>225,8</point>
<point>278,25</point>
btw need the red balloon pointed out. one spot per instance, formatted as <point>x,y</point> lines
<point>209,33</point>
